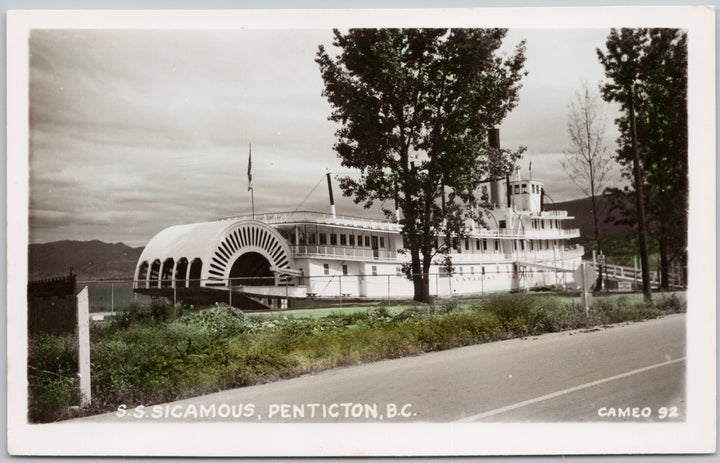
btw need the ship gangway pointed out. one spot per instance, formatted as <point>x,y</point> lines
<point>634,275</point>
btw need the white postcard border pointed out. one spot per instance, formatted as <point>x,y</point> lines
<point>696,435</point>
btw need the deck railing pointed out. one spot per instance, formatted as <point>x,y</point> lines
<point>342,252</point>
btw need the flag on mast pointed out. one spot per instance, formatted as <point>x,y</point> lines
<point>250,186</point>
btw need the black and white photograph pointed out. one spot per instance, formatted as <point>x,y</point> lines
<point>361,232</point>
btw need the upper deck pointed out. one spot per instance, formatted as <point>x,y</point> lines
<point>320,218</point>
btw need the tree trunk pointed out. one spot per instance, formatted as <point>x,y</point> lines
<point>426,275</point>
<point>417,274</point>
<point>664,265</point>
<point>599,282</point>
<point>640,206</point>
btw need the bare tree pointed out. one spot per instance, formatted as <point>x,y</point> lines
<point>588,162</point>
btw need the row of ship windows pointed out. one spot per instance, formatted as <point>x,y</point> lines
<point>536,223</point>
<point>341,239</point>
<point>482,245</point>
<point>443,270</point>
<point>535,189</point>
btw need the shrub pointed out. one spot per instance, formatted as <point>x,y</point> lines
<point>53,352</point>
<point>513,311</point>
<point>671,304</point>
<point>52,376</point>
<point>157,311</point>
<point>218,321</point>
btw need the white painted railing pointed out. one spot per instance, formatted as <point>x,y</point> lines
<point>342,252</point>
<point>319,217</point>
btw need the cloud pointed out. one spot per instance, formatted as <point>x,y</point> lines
<point>134,131</point>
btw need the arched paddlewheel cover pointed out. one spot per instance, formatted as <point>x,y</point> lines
<point>247,236</point>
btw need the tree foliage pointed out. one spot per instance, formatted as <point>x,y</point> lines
<point>414,107</point>
<point>648,68</point>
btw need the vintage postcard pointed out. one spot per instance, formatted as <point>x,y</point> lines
<point>400,232</point>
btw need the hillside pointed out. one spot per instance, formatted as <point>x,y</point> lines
<point>581,209</point>
<point>90,260</point>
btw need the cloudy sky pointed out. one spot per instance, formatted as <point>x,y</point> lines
<point>134,131</point>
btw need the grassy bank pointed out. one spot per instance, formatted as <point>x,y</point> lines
<point>153,354</point>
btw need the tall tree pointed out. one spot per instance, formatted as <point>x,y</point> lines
<point>623,63</point>
<point>414,107</point>
<point>662,132</point>
<point>588,162</point>
<point>653,138</point>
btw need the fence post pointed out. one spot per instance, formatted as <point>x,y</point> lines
<point>340,290</point>
<point>388,289</point>
<point>230,292</point>
<point>83,319</point>
<point>112,298</point>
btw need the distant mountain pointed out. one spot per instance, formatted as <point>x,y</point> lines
<point>581,210</point>
<point>90,260</point>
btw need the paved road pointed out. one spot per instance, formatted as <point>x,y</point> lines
<point>604,375</point>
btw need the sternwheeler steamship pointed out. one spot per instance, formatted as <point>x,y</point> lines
<point>276,260</point>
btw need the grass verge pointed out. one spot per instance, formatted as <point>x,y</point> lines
<point>155,354</point>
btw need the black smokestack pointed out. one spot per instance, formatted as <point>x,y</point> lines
<point>494,142</point>
<point>494,138</point>
<point>330,192</point>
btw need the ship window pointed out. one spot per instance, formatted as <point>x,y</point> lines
<point>467,244</point>
<point>517,189</point>
<point>484,245</point>
<point>374,270</point>
<point>515,245</point>
<point>344,267</point>
<point>323,238</point>
<point>522,245</point>
<point>497,245</point>
<point>477,244</point>
<point>326,269</point>
<point>531,245</point>
<point>343,240</point>
<point>524,187</point>
<point>542,224</point>
<point>351,239</point>
<point>382,241</point>
<point>367,241</point>
<point>333,239</point>
<point>502,224</point>
<point>483,269</point>
<point>472,270</point>
<point>311,239</point>
<point>460,269</point>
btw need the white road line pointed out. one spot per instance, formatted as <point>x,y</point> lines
<point>507,408</point>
